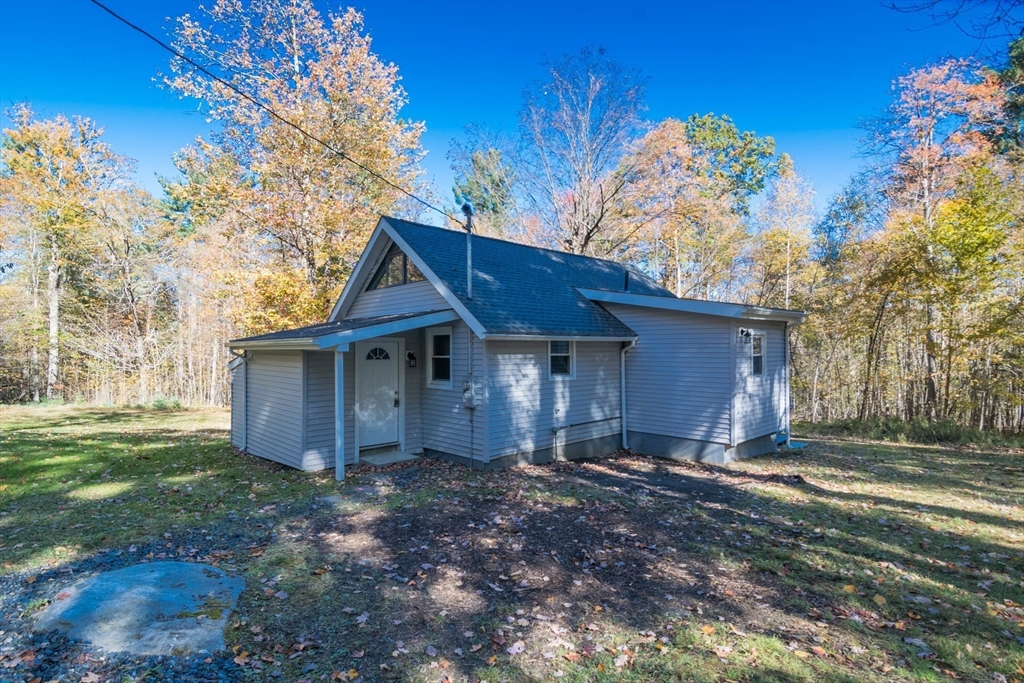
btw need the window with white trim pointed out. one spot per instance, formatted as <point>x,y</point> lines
<point>439,354</point>
<point>757,354</point>
<point>561,359</point>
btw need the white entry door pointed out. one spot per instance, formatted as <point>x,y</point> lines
<point>377,395</point>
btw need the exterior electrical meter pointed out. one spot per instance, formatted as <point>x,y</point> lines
<point>469,394</point>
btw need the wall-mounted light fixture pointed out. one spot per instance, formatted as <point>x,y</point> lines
<point>745,335</point>
<point>411,358</point>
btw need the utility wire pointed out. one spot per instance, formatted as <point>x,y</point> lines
<point>270,111</point>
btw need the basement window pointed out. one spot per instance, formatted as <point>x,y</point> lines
<point>757,353</point>
<point>561,359</point>
<point>396,269</point>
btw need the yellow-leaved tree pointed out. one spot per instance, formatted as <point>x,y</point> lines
<point>296,210</point>
<point>54,175</point>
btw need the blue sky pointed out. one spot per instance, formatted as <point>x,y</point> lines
<point>805,73</point>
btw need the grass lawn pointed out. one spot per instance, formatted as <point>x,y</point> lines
<point>843,561</point>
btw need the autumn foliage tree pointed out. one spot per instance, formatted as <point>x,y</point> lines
<point>308,207</point>
<point>52,180</point>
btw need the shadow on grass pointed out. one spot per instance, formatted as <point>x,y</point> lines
<point>633,551</point>
<point>698,573</point>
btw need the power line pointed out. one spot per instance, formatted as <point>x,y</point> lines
<point>270,111</point>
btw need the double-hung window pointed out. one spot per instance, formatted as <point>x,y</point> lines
<point>757,354</point>
<point>439,348</point>
<point>561,359</point>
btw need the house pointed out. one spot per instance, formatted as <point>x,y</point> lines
<point>539,356</point>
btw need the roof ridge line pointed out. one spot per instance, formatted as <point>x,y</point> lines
<point>528,246</point>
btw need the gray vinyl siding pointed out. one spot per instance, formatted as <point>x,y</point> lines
<point>760,399</point>
<point>349,389</point>
<point>526,406</point>
<point>238,404</point>
<point>679,376</point>
<point>319,451</point>
<point>274,395</point>
<point>414,392</point>
<point>446,420</point>
<point>415,296</point>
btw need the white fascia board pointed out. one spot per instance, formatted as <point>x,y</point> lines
<point>384,329</point>
<point>349,293</point>
<point>295,344</point>
<point>448,295</point>
<point>775,314</point>
<point>716,308</point>
<point>546,337</point>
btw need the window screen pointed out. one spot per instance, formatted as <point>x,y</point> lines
<point>441,358</point>
<point>757,353</point>
<point>560,355</point>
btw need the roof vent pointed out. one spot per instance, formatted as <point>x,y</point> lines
<point>625,286</point>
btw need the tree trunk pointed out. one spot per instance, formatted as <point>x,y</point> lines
<point>931,398</point>
<point>53,285</point>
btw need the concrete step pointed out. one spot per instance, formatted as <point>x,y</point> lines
<point>388,458</point>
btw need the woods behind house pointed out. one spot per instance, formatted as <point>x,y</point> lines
<point>913,274</point>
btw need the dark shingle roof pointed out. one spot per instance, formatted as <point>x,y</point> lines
<point>323,329</point>
<point>523,290</point>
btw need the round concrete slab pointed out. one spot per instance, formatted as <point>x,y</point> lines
<point>158,608</point>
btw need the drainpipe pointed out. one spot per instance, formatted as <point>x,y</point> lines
<point>622,387</point>
<point>789,407</point>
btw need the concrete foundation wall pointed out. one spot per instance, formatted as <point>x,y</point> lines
<point>589,448</point>
<point>676,448</point>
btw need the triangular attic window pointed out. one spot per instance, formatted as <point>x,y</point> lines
<point>396,269</point>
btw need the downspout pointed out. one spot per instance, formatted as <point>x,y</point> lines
<point>245,396</point>
<point>789,409</point>
<point>622,387</point>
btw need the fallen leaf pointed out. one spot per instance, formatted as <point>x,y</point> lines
<point>517,647</point>
<point>850,588</point>
<point>708,629</point>
<point>879,600</point>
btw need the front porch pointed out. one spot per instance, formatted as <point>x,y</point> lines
<point>328,395</point>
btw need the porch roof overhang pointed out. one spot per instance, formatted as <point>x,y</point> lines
<point>698,306</point>
<point>339,334</point>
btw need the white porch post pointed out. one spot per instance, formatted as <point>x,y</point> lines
<point>339,411</point>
